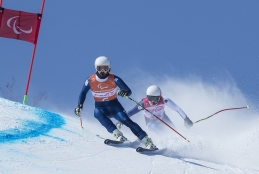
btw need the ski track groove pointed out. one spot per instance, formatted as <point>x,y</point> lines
<point>152,163</point>
<point>237,170</point>
<point>187,168</point>
<point>81,158</point>
<point>211,171</point>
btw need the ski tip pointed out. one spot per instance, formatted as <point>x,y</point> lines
<point>247,106</point>
<point>138,149</point>
<point>106,141</point>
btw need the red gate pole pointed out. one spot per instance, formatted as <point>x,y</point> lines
<point>33,52</point>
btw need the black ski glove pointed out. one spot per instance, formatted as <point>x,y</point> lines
<point>188,123</point>
<point>122,93</point>
<point>78,110</point>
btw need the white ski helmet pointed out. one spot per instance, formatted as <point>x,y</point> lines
<point>153,91</point>
<point>102,61</point>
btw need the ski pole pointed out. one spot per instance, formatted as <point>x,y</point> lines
<point>221,111</point>
<point>78,113</point>
<point>81,122</point>
<point>156,117</point>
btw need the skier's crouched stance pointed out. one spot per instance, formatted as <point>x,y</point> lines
<point>103,86</point>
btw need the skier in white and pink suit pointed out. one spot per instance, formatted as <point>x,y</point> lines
<point>155,102</point>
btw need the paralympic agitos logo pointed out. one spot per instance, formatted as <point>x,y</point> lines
<point>15,26</point>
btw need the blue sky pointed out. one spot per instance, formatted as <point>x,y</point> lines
<point>216,41</point>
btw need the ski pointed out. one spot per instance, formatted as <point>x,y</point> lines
<point>141,150</point>
<point>108,141</point>
<point>129,144</point>
<point>115,142</point>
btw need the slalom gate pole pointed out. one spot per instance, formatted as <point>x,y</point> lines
<point>33,53</point>
<point>221,111</point>
<point>156,117</point>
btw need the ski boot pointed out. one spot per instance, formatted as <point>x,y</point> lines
<point>119,136</point>
<point>149,143</point>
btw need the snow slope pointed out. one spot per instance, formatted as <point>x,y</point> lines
<point>38,141</point>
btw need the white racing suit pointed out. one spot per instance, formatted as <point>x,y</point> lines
<point>152,122</point>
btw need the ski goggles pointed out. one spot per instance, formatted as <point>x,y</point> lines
<point>154,98</point>
<point>105,68</point>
